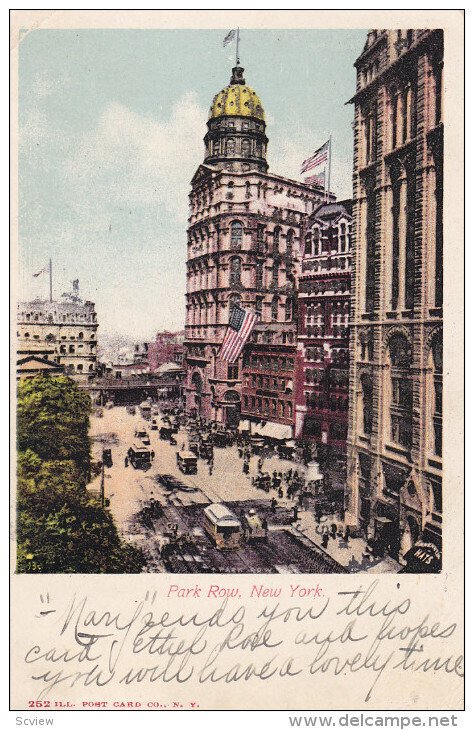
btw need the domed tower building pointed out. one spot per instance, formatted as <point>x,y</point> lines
<point>243,248</point>
<point>236,139</point>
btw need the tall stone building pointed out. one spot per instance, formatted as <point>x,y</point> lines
<point>396,374</point>
<point>244,240</point>
<point>64,332</point>
<point>322,371</point>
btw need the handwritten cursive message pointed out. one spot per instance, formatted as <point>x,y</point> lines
<point>199,635</point>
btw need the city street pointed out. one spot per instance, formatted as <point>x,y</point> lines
<point>179,500</point>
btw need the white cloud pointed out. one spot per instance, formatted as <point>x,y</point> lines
<point>132,160</point>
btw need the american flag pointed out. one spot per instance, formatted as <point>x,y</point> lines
<point>41,271</point>
<point>318,158</point>
<point>319,179</point>
<point>241,324</point>
<point>229,37</point>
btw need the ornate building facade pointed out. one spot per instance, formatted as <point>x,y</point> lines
<point>396,373</point>
<point>322,371</point>
<point>244,240</point>
<point>64,332</point>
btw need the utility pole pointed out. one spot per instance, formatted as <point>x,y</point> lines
<point>102,482</point>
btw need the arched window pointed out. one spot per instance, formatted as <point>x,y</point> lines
<point>235,271</point>
<point>289,308</point>
<point>307,245</point>
<point>342,237</point>
<point>394,115</point>
<point>80,336</point>
<point>367,402</point>
<point>196,381</point>
<point>260,238</point>
<point>401,384</point>
<point>275,302</point>
<point>230,146</point>
<point>275,271</point>
<point>289,242</point>
<point>245,147</point>
<point>316,238</point>
<point>259,275</point>
<point>236,234</point>
<point>276,240</point>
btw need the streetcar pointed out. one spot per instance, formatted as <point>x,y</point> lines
<point>222,526</point>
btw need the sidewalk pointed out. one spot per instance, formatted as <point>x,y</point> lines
<point>353,555</point>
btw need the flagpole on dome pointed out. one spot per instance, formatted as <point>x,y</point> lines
<point>237,59</point>
<point>329,166</point>
<point>50,280</point>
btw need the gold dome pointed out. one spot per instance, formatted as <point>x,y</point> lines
<point>237,100</point>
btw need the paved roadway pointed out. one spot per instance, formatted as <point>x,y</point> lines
<point>130,491</point>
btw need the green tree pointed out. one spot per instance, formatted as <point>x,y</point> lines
<point>53,421</point>
<point>61,528</point>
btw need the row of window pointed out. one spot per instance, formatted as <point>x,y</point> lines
<point>327,264</point>
<point>313,427</point>
<point>273,338</point>
<point>402,114</point>
<point>52,338</point>
<point>321,402</point>
<point>336,377</point>
<point>79,368</point>
<point>261,381</point>
<point>336,354</point>
<point>327,240</point>
<point>42,318</point>
<point>268,406</point>
<point>335,286</point>
<point>401,396</point>
<point>71,349</point>
<point>335,330</point>
<point>271,362</point>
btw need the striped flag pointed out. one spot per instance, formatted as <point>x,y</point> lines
<point>229,37</point>
<point>319,158</point>
<point>241,324</point>
<point>319,179</point>
<point>41,271</point>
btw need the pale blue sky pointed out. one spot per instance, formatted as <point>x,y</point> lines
<point>111,128</point>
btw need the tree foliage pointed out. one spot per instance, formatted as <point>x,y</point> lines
<point>53,420</point>
<point>61,528</point>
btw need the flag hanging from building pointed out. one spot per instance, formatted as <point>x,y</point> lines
<point>229,37</point>
<point>319,179</point>
<point>320,157</point>
<point>41,271</point>
<point>241,323</point>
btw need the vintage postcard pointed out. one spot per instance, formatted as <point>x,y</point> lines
<point>238,473</point>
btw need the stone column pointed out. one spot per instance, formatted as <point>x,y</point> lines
<point>402,242</point>
<point>430,221</point>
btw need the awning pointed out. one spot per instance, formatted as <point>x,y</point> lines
<point>423,557</point>
<point>277,431</point>
<point>313,473</point>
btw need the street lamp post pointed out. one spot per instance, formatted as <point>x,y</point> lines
<point>102,482</point>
